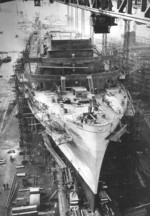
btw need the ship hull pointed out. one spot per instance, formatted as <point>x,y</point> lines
<point>79,107</point>
<point>86,146</point>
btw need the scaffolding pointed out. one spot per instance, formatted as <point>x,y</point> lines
<point>24,115</point>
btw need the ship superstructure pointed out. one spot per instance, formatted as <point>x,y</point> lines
<point>79,105</point>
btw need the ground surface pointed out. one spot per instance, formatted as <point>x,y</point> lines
<point>9,139</point>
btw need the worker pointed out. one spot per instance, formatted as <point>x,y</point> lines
<point>4,186</point>
<point>11,158</point>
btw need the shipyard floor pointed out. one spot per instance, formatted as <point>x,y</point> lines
<point>9,134</point>
<point>9,140</point>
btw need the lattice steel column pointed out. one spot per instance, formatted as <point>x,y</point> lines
<point>91,30</point>
<point>72,19</point>
<point>69,16</point>
<point>126,44</point>
<point>82,21</point>
<point>104,44</point>
<point>76,20</point>
<point>68,22</point>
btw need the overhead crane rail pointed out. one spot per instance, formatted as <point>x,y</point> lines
<point>129,17</point>
<point>105,7</point>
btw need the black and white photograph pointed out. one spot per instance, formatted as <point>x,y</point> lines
<point>74,107</point>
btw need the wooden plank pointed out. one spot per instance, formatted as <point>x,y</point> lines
<point>122,6</point>
<point>116,135</point>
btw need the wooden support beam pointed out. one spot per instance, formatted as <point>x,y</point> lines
<point>30,117</point>
<point>23,106</point>
<point>34,124</point>
<point>122,6</point>
<point>135,2</point>
<point>118,3</point>
<point>27,114</point>
<point>110,5</point>
<point>129,6</point>
<point>115,136</point>
<point>143,5</point>
<point>147,12</point>
<point>103,3</point>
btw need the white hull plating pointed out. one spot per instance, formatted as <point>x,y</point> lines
<point>83,144</point>
<point>87,153</point>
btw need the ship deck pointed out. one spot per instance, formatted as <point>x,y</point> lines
<point>106,112</point>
